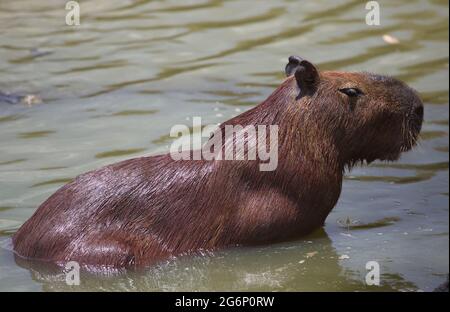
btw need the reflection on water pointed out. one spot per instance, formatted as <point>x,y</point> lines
<point>114,86</point>
<point>310,264</point>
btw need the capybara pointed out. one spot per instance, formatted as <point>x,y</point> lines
<point>140,211</point>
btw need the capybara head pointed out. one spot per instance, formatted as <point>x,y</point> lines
<point>367,116</point>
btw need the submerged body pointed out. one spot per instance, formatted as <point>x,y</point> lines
<point>137,212</point>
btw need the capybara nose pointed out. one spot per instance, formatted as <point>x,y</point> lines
<point>418,111</point>
<point>416,115</point>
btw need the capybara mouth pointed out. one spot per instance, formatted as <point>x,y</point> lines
<point>412,127</point>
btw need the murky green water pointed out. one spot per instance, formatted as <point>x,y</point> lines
<point>114,86</point>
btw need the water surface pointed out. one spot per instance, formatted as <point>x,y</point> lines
<point>114,86</point>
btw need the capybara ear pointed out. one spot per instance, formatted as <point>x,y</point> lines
<point>292,65</point>
<point>305,73</point>
<point>307,78</point>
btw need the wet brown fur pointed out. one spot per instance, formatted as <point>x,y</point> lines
<point>140,211</point>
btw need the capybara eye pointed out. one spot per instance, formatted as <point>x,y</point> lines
<point>351,92</point>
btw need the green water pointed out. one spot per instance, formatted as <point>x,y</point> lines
<point>114,86</point>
